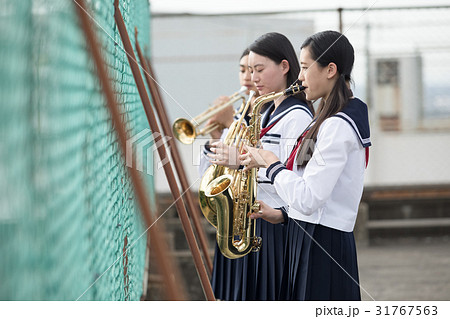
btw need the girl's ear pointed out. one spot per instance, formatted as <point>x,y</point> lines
<point>332,70</point>
<point>285,66</point>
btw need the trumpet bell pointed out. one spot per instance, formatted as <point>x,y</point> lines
<point>184,131</point>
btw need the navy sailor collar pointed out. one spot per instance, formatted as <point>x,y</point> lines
<point>357,115</point>
<point>284,108</point>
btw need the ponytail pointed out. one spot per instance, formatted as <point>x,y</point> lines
<point>339,96</point>
<point>328,47</point>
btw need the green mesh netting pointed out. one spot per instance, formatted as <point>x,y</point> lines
<point>67,208</point>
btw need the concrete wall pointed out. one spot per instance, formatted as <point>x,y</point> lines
<point>409,158</point>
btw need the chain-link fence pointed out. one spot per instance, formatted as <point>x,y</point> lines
<point>69,226</point>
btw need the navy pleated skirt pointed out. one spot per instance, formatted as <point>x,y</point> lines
<point>257,275</point>
<point>320,264</point>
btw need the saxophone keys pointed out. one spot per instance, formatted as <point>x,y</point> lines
<point>257,242</point>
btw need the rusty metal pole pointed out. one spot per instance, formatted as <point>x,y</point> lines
<point>173,288</point>
<point>182,213</point>
<point>162,115</point>
<point>341,26</point>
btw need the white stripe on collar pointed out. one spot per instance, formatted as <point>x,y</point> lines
<point>364,141</point>
<point>292,108</point>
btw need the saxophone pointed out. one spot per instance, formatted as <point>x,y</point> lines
<point>228,197</point>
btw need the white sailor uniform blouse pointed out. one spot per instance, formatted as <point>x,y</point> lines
<point>328,189</point>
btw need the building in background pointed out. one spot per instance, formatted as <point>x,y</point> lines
<point>400,71</point>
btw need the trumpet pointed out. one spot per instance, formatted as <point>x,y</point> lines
<point>186,131</point>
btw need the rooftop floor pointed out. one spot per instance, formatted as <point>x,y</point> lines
<point>405,269</point>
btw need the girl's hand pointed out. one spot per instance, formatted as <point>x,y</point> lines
<point>272,215</point>
<point>226,116</point>
<point>256,157</point>
<point>217,133</point>
<point>224,155</point>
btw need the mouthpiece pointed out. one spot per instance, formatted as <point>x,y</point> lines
<point>243,89</point>
<point>294,89</point>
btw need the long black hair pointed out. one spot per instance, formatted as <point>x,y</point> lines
<point>328,47</point>
<point>245,53</point>
<point>277,47</point>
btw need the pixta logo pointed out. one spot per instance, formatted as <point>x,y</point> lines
<point>144,145</point>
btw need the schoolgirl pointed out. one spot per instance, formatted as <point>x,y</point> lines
<point>257,276</point>
<point>226,117</point>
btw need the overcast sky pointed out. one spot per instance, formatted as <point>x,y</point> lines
<point>240,6</point>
